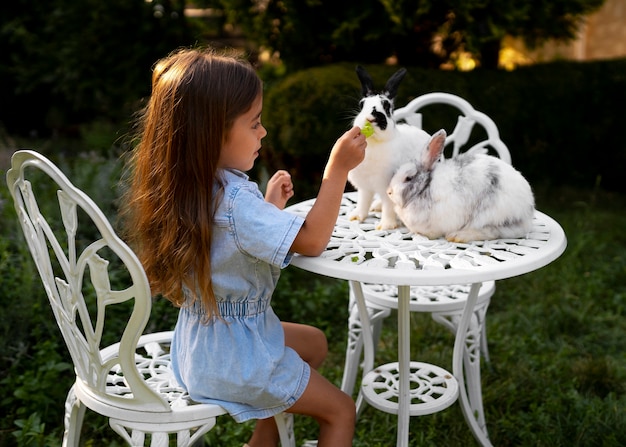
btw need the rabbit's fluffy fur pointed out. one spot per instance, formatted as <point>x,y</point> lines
<point>391,145</point>
<point>472,196</point>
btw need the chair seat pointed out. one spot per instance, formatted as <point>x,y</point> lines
<point>426,298</point>
<point>152,359</point>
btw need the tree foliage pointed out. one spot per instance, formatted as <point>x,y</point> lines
<point>417,32</point>
<point>66,62</point>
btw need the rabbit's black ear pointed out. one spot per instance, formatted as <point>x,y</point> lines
<point>391,88</point>
<point>367,84</point>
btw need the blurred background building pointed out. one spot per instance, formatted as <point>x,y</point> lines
<point>603,36</point>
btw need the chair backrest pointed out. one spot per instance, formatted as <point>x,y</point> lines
<point>464,130</point>
<point>67,238</point>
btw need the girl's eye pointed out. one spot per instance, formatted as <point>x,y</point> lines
<point>257,125</point>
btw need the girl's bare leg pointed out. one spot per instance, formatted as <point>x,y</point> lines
<point>334,410</point>
<point>265,434</point>
<point>308,341</point>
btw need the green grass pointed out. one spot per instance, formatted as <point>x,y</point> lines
<point>556,338</point>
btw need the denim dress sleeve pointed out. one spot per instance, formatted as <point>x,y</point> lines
<point>261,229</point>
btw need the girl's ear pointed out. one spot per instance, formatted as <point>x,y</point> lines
<point>367,84</point>
<point>391,88</point>
<point>434,149</point>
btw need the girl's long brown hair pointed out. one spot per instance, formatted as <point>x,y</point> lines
<point>174,186</point>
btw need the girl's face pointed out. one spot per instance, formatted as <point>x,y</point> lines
<point>243,141</point>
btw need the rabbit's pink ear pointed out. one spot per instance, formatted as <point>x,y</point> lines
<point>435,148</point>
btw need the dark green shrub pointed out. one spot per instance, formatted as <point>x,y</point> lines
<point>34,367</point>
<point>561,121</point>
<point>304,115</point>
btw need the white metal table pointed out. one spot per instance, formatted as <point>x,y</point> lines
<point>359,253</point>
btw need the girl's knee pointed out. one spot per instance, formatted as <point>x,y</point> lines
<point>317,347</point>
<point>349,407</point>
<point>321,342</point>
<point>308,341</point>
<point>344,411</point>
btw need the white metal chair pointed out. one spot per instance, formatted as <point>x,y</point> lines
<point>445,303</point>
<point>130,381</point>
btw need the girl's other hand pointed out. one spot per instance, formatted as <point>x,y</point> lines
<point>279,189</point>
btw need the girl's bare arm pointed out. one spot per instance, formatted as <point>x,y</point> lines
<point>347,153</point>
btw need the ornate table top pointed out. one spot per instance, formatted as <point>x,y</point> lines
<point>358,251</point>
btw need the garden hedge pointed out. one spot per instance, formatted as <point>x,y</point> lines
<point>562,121</point>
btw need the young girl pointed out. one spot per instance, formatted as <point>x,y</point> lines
<point>212,245</point>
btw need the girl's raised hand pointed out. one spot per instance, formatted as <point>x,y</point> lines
<point>348,151</point>
<point>279,189</point>
<point>346,154</point>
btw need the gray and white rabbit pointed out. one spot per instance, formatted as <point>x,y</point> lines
<point>391,145</point>
<point>473,196</point>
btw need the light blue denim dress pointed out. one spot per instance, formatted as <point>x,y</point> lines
<point>240,361</point>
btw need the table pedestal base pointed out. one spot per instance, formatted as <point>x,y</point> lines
<point>431,388</point>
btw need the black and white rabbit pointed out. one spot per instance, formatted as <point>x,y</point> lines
<point>473,196</point>
<point>391,145</point>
